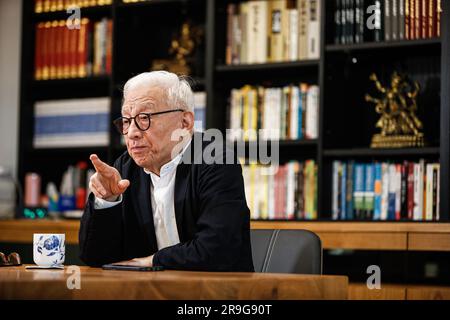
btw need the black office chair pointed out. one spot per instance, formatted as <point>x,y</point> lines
<point>286,251</point>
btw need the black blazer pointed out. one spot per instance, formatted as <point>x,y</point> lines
<point>212,218</point>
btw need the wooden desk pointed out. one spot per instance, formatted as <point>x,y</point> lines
<point>19,283</point>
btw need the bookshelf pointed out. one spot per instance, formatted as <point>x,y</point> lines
<point>341,73</point>
<point>142,32</point>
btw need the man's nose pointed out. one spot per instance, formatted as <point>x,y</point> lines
<point>133,131</point>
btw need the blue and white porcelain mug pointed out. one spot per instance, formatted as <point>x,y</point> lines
<point>49,249</point>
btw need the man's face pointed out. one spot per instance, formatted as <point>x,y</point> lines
<point>152,148</point>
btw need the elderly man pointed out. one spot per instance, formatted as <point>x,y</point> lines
<point>153,208</point>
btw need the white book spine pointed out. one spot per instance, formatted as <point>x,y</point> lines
<point>293,34</point>
<point>314,30</point>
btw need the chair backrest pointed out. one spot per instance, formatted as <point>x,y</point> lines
<point>286,251</point>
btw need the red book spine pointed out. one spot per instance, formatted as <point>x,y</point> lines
<point>45,51</point>
<point>109,47</point>
<point>81,56</point>
<point>65,61</point>
<point>52,49</point>
<point>73,53</point>
<point>38,51</point>
<point>59,49</point>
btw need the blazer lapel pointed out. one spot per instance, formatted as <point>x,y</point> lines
<point>140,191</point>
<point>181,182</point>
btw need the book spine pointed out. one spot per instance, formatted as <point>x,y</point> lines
<point>379,30</point>
<point>424,18</point>
<point>398,191</point>
<point>377,191</point>
<point>387,20</point>
<point>351,21</point>
<point>344,24</point>
<point>410,192</point>
<point>230,35</point>
<point>358,194</point>
<point>438,18</point>
<point>407,20</point>
<point>384,191</point>
<point>337,22</point>
<point>401,19</point>
<point>369,191</point>
<point>38,51</point>
<point>429,192</point>
<point>349,190</point>
<point>394,20</point>
<point>343,200</point>
<point>435,187</point>
<point>431,18</point>
<point>404,191</point>
<point>417,19</point>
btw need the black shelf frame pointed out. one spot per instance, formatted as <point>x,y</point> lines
<point>274,66</point>
<point>219,78</point>
<point>62,14</point>
<point>388,45</point>
<point>372,152</point>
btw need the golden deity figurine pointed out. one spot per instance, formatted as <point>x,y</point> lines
<point>181,50</point>
<point>397,106</point>
<point>183,46</point>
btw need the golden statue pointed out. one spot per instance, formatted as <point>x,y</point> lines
<point>182,49</point>
<point>399,124</point>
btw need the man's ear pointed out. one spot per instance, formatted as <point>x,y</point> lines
<point>188,120</point>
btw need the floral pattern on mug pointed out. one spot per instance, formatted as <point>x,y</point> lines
<point>52,246</point>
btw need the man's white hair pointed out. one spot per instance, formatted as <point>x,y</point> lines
<point>177,88</point>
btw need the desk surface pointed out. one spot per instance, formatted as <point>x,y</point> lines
<point>20,283</point>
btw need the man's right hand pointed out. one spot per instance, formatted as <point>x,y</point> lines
<point>106,183</point>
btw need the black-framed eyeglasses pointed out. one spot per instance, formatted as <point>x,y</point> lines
<point>142,121</point>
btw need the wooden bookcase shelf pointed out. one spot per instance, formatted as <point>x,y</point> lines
<point>412,236</point>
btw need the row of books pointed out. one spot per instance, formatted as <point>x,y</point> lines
<point>290,112</point>
<point>71,123</point>
<point>62,52</point>
<point>358,21</point>
<point>273,31</point>
<point>385,191</point>
<point>290,192</point>
<point>60,5</point>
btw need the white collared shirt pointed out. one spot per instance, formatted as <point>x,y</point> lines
<point>162,192</point>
